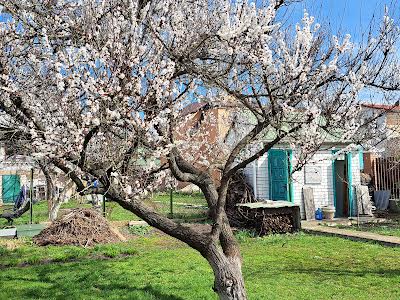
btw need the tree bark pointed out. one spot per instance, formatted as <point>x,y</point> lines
<point>49,188</point>
<point>228,277</point>
<point>56,204</point>
<point>53,213</point>
<point>223,252</point>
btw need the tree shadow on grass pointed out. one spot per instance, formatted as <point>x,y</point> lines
<point>77,281</point>
<point>122,292</point>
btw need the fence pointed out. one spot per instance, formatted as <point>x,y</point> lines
<point>386,175</point>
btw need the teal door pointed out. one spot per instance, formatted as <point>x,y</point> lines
<point>11,186</point>
<point>278,175</point>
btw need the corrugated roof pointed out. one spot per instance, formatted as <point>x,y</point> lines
<point>193,107</point>
<point>382,106</point>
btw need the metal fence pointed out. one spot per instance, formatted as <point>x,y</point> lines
<point>386,175</point>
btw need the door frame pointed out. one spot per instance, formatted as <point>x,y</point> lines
<point>349,179</point>
<point>349,182</point>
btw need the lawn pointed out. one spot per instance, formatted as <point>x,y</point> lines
<point>390,228</point>
<point>158,267</point>
<point>160,202</point>
<point>40,214</point>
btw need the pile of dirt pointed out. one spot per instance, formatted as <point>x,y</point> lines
<point>80,227</point>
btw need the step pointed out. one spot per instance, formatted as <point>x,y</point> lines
<point>391,241</point>
<point>8,233</point>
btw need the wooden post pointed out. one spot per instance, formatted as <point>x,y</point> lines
<point>309,206</point>
<point>31,198</point>
<point>171,203</point>
<point>104,206</point>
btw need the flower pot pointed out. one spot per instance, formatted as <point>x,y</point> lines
<point>329,212</point>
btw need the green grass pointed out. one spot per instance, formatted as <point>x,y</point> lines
<point>117,213</point>
<point>391,228</point>
<point>276,267</point>
<point>185,207</point>
<point>161,202</point>
<point>195,198</point>
<point>39,214</point>
<point>26,252</point>
<point>141,230</point>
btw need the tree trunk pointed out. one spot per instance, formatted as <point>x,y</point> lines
<point>49,191</point>
<point>224,254</point>
<point>56,204</point>
<point>49,187</point>
<point>53,213</point>
<point>228,281</point>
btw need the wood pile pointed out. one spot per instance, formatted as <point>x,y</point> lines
<point>262,221</point>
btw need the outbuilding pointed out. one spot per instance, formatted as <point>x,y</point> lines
<point>331,175</point>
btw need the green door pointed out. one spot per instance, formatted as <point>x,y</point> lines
<point>278,175</point>
<point>11,186</point>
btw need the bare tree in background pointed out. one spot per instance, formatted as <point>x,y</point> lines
<point>98,87</point>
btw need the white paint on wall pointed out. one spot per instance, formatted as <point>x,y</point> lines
<point>255,167</point>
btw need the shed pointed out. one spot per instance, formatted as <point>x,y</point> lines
<point>332,177</point>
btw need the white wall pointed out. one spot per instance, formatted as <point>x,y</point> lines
<point>323,191</point>
<point>262,191</point>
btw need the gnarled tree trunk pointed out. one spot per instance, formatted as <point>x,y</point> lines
<point>222,250</point>
<point>228,281</point>
<point>219,247</point>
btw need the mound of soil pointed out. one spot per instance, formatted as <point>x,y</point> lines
<point>80,227</point>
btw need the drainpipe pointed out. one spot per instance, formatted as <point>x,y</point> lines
<point>255,169</point>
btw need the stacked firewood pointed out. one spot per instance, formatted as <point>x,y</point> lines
<point>256,219</point>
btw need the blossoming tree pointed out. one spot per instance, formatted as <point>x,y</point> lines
<point>98,87</point>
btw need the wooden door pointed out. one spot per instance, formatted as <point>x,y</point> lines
<point>278,175</point>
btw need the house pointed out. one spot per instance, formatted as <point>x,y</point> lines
<point>203,125</point>
<point>14,172</point>
<point>388,119</point>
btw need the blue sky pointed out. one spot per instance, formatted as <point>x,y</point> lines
<point>342,16</point>
<point>345,16</point>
